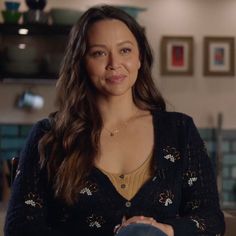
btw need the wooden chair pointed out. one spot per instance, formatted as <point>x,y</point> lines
<point>13,164</point>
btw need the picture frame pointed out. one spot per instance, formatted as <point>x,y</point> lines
<point>177,55</point>
<point>219,56</point>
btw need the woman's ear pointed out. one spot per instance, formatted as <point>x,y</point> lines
<point>139,63</point>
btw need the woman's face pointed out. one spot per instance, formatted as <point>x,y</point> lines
<point>112,58</point>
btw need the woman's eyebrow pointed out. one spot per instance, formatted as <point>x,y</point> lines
<point>104,46</point>
<point>126,42</point>
<point>96,45</point>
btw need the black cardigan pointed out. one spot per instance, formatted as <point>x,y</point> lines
<point>182,192</point>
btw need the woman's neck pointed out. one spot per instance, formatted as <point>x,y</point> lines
<point>116,110</point>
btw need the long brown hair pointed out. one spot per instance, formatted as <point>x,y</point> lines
<point>69,148</point>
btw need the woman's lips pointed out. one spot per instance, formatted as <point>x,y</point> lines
<point>116,79</point>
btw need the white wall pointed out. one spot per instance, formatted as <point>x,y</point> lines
<point>199,96</point>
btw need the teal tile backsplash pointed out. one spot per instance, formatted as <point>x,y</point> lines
<point>12,139</point>
<point>9,130</point>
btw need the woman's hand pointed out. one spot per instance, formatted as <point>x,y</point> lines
<point>167,229</point>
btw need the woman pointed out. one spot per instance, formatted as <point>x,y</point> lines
<point>111,159</point>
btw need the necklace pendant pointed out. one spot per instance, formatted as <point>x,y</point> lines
<point>113,133</point>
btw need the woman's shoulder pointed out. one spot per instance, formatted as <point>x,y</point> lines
<point>172,117</point>
<point>175,125</point>
<point>39,128</point>
<point>42,125</point>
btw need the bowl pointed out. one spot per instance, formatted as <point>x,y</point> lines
<point>35,17</point>
<point>62,16</point>
<point>12,5</point>
<point>11,16</point>
<point>30,100</point>
<point>25,54</point>
<point>36,4</point>
<point>132,11</point>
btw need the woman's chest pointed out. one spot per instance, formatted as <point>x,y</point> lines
<point>100,207</point>
<point>125,152</point>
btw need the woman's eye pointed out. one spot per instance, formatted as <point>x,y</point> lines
<point>98,53</point>
<point>125,50</point>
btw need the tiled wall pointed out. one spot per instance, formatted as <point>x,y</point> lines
<point>12,138</point>
<point>228,150</point>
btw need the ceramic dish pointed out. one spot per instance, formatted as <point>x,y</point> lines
<point>12,5</point>
<point>11,16</point>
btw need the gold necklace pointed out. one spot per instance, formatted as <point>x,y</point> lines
<point>114,132</point>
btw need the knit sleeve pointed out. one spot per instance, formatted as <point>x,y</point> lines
<point>27,209</point>
<point>200,212</point>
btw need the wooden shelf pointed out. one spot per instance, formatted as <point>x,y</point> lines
<point>47,39</point>
<point>35,29</point>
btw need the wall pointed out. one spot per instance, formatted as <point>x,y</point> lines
<point>199,96</point>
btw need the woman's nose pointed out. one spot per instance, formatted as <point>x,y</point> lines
<point>113,61</point>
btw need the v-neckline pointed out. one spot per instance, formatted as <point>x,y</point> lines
<point>107,185</point>
<point>110,189</point>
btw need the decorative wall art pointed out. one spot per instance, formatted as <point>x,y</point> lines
<point>177,55</point>
<point>219,56</point>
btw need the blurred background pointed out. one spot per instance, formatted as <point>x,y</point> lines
<point>33,36</point>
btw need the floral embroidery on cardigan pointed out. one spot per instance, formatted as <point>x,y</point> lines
<point>89,188</point>
<point>200,223</point>
<point>191,177</point>
<point>171,154</point>
<point>194,204</point>
<point>95,221</point>
<point>166,197</point>
<point>33,200</point>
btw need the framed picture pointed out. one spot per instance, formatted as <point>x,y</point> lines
<point>218,56</point>
<point>176,55</point>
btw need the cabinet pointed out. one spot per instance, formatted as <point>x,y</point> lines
<point>31,53</point>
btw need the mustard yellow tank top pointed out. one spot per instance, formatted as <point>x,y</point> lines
<point>128,185</point>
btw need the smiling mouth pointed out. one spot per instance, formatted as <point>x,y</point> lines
<point>116,79</point>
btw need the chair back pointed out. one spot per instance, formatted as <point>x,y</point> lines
<point>13,169</point>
